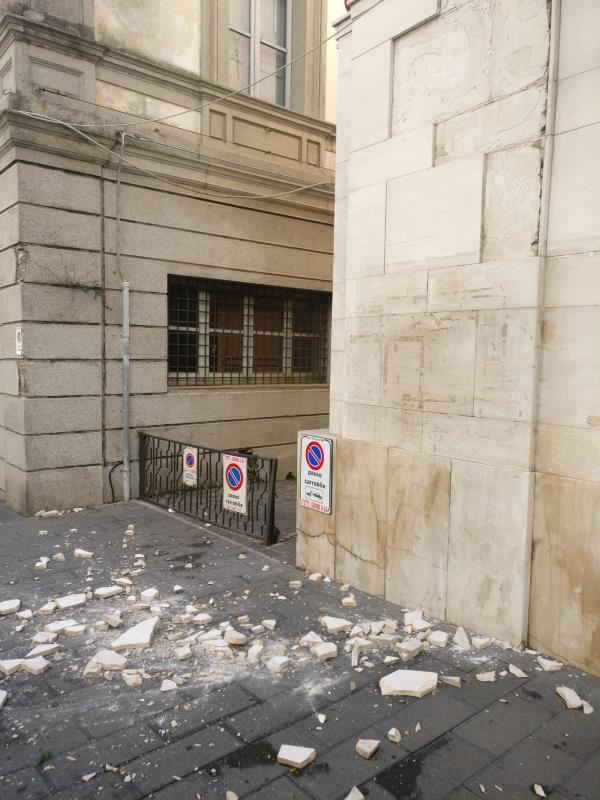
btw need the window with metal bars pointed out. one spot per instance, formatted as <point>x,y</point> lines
<point>223,333</point>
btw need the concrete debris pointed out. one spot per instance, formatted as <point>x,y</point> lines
<point>108,591</point>
<point>349,602</point>
<point>334,625</point>
<point>587,707</point>
<point>420,625</point>
<point>132,677</point>
<point>295,584</point>
<point>74,630</point>
<point>486,677</point>
<point>110,660</point>
<point>113,620</point>
<point>518,673</point>
<point>277,663</point>
<point>384,639</point>
<point>231,796</point>
<point>367,747</point>
<point>345,587</point>
<point>325,651</point>
<point>9,607</point>
<point>481,642</point>
<point>48,608</point>
<point>548,665</point>
<point>257,630</point>
<point>124,582</point>
<point>394,735</point>
<point>438,638</point>
<point>322,719</point>
<point>244,619</point>
<point>168,685</point>
<point>71,601</point>
<point>389,660</point>
<point>451,680</point>
<point>58,557</point>
<point>296,757</point>
<point>11,665</point>
<point>183,653</point>
<point>92,669</point>
<point>101,625</point>
<point>202,619</point>
<point>177,589</point>
<point>35,666</point>
<point>3,697</point>
<point>44,637</point>
<point>148,595</point>
<point>539,790</point>
<point>410,648</point>
<point>461,639</point>
<point>310,639</point>
<point>138,637</point>
<point>570,696</point>
<point>408,683</point>
<point>254,653</point>
<point>355,794</point>
<point>60,625</point>
<point>27,614</point>
<point>269,624</point>
<point>40,565</point>
<point>235,637</point>
<point>43,650</point>
<point>315,576</point>
<point>79,553</point>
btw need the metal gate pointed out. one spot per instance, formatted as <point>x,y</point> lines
<point>161,482</point>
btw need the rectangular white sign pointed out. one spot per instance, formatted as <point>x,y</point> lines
<point>315,473</point>
<point>235,482</point>
<point>19,342</point>
<point>190,466</point>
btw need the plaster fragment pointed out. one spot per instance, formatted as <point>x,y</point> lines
<point>367,747</point>
<point>294,756</point>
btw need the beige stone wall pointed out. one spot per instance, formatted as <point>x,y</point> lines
<point>60,406</point>
<point>565,602</point>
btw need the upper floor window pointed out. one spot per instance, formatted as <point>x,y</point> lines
<point>258,45</point>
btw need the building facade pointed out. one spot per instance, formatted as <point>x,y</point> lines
<point>229,293</point>
<point>466,338</point>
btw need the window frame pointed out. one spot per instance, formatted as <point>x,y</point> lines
<point>256,40</point>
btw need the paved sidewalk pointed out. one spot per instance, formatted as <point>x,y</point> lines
<point>66,736</point>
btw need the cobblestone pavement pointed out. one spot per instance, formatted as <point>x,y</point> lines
<point>66,736</point>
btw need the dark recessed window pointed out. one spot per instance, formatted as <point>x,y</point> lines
<point>232,333</point>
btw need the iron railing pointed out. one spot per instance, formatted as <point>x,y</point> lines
<point>161,482</point>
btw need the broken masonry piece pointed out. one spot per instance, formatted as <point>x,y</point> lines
<point>367,747</point>
<point>294,756</point>
<point>461,639</point>
<point>408,683</point>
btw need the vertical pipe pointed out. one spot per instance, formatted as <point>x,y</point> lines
<point>126,488</point>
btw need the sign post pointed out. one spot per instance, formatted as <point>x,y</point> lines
<point>235,474</point>
<point>315,473</point>
<point>190,466</point>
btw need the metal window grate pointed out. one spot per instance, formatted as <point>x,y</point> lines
<point>225,334</point>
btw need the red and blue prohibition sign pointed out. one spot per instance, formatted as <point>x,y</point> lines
<point>234,477</point>
<point>315,455</point>
<point>190,461</point>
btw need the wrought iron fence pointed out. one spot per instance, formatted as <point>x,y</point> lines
<point>161,482</point>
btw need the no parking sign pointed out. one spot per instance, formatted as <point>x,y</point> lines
<point>190,466</point>
<point>315,473</point>
<point>235,475</point>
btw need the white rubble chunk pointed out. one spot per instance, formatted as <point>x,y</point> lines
<point>43,650</point>
<point>177,589</point>
<point>9,607</point>
<point>148,595</point>
<point>295,584</point>
<point>44,637</point>
<point>486,677</point>
<point>254,653</point>
<point>461,639</point>
<point>60,625</point>
<point>394,735</point>
<point>25,614</point>
<point>587,707</point>
<point>518,673</point>
<point>244,619</point>
<point>202,619</point>
<point>570,696</point>
<point>349,602</point>
<point>408,683</point>
<point>108,591</point>
<point>335,625</point>
<point>410,648</point>
<point>229,795</point>
<point>367,747</point>
<point>294,756</point>
<point>48,608</point>
<point>35,666</point>
<point>539,790</point>
<point>452,680</point>
<point>74,630</point>
<point>40,565</point>
<point>92,669</point>
<point>419,625</point>
<point>79,553</point>
<point>210,636</point>
<point>384,639</point>
<point>138,637</point>
<point>413,616</point>
<point>438,638</point>
<point>389,660</point>
<point>548,665</point>
<point>58,557</point>
<point>481,642</point>
<point>345,587</point>
<point>132,677</point>
<point>322,719</point>
<point>311,638</point>
<point>124,582</point>
<point>183,653</point>
<point>168,685</point>
<point>257,630</point>
<point>110,660</point>
<point>3,697</point>
<point>11,665</point>
<point>101,625</point>
<point>235,637</point>
<point>113,620</point>
<point>315,576</point>
<point>71,601</point>
<point>277,663</point>
<point>324,651</point>
<point>269,624</point>
<point>355,794</point>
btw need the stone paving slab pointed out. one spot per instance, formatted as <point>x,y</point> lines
<point>66,737</point>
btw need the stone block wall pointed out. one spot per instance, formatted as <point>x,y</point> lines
<point>456,387</point>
